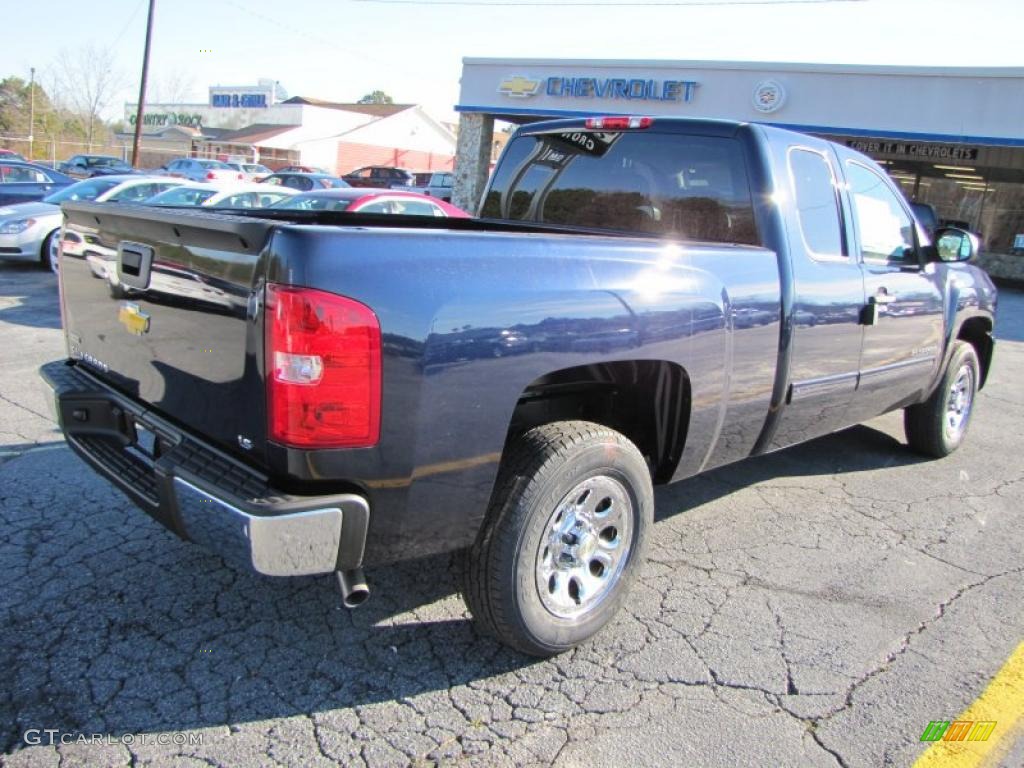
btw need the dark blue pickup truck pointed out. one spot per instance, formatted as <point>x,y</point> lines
<point>638,301</point>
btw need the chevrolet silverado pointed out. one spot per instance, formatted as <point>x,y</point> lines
<point>639,300</point>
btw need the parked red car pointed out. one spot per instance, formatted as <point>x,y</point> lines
<point>303,169</point>
<point>355,200</point>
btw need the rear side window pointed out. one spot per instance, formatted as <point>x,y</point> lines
<point>183,196</point>
<point>415,208</point>
<point>692,187</point>
<point>134,194</point>
<point>14,174</point>
<point>816,202</point>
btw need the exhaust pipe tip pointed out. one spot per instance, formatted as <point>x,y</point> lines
<point>354,590</point>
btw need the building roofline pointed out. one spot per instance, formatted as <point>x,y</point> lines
<point>881,133</point>
<point>776,66</point>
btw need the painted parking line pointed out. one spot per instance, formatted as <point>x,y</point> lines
<point>35,449</point>
<point>986,728</point>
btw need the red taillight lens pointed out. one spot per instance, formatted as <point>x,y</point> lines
<point>618,123</point>
<point>240,176</point>
<point>323,359</point>
<point>211,175</point>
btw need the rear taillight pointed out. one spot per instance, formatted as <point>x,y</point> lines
<point>211,175</point>
<point>617,123</point>
<point>240,177</point>
<point>323,359</point>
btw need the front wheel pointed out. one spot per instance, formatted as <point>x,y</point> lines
<point>50,256</point>
<point>939,425</point>
<point>563,538</point>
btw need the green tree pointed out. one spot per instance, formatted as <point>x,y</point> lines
<point>377,97</point>
<point>15,95</point>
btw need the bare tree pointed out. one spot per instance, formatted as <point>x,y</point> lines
<point>174,87</point>
<point>88,81</point>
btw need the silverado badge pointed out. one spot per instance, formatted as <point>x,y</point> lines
<point>133,318</point>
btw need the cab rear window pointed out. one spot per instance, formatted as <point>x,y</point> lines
<point>690,187</point>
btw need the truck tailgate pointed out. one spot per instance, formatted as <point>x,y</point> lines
<point>156,304</point>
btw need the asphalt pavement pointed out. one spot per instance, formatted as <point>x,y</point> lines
<point>816,607</point>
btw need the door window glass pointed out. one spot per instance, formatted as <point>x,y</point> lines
<point>885,228</point>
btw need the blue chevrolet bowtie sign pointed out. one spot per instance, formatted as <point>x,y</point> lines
<point>634,89</point>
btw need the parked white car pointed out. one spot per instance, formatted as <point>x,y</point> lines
<point>30,231</point>
<point>253,172</point>
<point>215,195</point>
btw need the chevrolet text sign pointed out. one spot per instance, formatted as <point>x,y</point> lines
<point>638,89</point>
<point>633,89</point>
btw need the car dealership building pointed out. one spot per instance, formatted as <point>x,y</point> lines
<point>260,123</point>
<point>952,137</point>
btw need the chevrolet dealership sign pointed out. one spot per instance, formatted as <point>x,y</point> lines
<point>577,87</point>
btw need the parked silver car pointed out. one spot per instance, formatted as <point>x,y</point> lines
<point>201,169</point>
<point>31,231</point>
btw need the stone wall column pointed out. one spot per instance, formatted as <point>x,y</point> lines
<point>472,160</point>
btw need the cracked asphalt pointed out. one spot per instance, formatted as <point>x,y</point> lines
<point>816,607</point>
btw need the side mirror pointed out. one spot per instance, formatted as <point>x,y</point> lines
<point>956,245</point>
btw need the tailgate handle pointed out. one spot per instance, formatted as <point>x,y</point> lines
<point>134,261</point>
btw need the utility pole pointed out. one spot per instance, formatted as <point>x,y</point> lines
<point>139,112</point>
<point>31,110</point>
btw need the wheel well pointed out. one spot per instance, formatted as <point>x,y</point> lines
<point>648,401</point>
<point>977,331</point>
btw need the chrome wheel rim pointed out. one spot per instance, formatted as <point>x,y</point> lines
<point>584,548</point>
<point>959,402</point>
<point>54,251</point>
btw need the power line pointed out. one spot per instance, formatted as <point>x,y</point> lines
<point>279,25</point>
<point>591,4</point>
<point>127,24</point>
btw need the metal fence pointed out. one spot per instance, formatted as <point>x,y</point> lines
<point>52,151</point>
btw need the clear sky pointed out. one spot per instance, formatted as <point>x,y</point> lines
<point>413,49</point>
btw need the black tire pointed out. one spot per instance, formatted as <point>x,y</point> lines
<point>44,253</point>
<point>928,425</point>
<point>503,570</point>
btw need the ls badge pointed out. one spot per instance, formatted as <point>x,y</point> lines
<point>133,318</point>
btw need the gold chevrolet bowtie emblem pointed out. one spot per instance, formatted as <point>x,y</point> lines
<point>519,87</point>
<point>133,318</point>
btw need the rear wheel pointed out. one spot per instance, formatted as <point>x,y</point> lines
<point>563,538</point>
<point>939,425</point>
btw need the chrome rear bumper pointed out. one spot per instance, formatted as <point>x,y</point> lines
<point>201,493</point>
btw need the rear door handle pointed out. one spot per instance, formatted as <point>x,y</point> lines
<point>882,296</point>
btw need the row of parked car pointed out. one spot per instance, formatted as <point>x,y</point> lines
<point>432,183</point>
<point>30,198</point>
